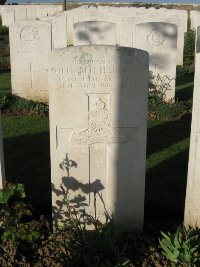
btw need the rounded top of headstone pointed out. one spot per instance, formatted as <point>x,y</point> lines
<point>88,48</point>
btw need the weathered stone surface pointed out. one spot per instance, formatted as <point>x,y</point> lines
<point>192,207</point>
<point>159,40</point>
<point>38,11</point>
<point>110,35</point>
<point>20,13</point>
<point>195,19</point>
<point>31,13</point>
<point>16,13</point>
<point>2,170</point>
<point>122,15</point>
<point>70,25</point>
<point>168,19</point>
<point>8,17</point>
<point>98,113</point>
<point>30,44</point>
<point>94,32</point>
<point>59,30</point>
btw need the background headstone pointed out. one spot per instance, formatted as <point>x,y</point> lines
<point>98,114</point>
<point>30,44</point>
<point>20,13</point>
<point>192,207</point>
<point>94,32</point>
<point>70,25</point>
<point>195,19</point>
<point>198,40</point>
<point>160,40</point>
<point>59,30</point>
<point>31,13</point>
<point>8,17</point>
<point>16,13</point>
<point>121,16</point>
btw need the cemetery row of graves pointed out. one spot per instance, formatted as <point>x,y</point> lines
<point>75,95</point>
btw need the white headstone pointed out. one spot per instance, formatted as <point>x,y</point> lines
<point>8,16</point>
<point>94,32</point>
<point>20,13</point>
<point>31,13</point>
<point>38,11</point>
<point>53,9</point>
<point>16,13</point>
<point>142,15</point>
<point>98,112</point>
<point>105,23</point>
<point>198,40</point>
<point>124,34</point>
<point>30,44</point>
<point>192,207</point>
<point>2,170</point>
<point>195,19</point>
<point>160,40</point>
<point>59,30</point>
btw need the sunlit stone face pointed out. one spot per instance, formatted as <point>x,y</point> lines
<point>159,39</point>
<point>192,207</point>
<point>30,44</point>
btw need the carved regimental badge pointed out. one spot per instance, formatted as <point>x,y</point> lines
<point>100,128</point>
<point>29,34</point>
<point>156,37</point>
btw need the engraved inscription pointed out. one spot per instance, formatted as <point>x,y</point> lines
<point>29,34</point>
<point>100,128</point>
<point>92,74</point>
<point>156,38</point>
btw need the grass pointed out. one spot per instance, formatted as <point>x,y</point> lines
<point>4,52</point>
<point>27,158</point>
<point>4,40</point>
<point>184,88</point>
<point>166,172</point>
<point>5,81</point>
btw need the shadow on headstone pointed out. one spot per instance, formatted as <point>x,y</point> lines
<point>72,203</point>
<point>198,40</point>
<point>94,32</point>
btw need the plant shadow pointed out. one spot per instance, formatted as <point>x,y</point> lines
<point>74,198</point>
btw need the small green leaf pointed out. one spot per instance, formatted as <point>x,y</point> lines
<point>187,257</point>
<point>29,237</point>
<point>23,236</point>
<point>5,194</point>
<point>35,235</point>
<point>169,254</point>
<point>126,262</point>
<point>167,243</point>
<point>7,233</point>
<point>165,236</point>
<point>194,249</point>
<point>19,190</point>
<point>176,239</point>
<point>176,253</point>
